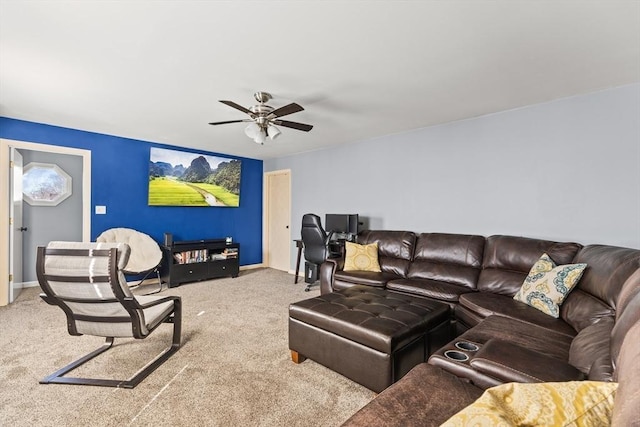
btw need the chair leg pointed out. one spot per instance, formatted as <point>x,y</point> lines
<point>58,378</point>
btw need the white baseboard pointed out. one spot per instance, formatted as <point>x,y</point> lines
<point>32,284</point>
<point>251,266</point>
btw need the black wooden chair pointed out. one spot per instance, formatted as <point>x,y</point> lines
<point>86,281</point>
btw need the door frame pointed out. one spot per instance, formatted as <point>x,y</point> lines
<point>5,145</point>
<point>265,216</point>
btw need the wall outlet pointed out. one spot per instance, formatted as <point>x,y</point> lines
<point>101,210</point>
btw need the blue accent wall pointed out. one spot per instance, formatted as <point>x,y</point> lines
<point>119,175</point>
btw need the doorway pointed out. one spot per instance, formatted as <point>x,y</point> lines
<point>7,223</point>
<point>277,230</point>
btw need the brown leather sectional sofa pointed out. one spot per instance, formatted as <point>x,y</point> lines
<point>496,339</point>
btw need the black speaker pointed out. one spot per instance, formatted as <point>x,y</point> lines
<point>168,239</point>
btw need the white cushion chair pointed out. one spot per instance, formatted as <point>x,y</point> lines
<point>145,258</point>
<point>86,281</point>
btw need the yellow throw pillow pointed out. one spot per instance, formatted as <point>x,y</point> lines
<point>361,257</point>
<point>547,285</point>
<point>575,403</point>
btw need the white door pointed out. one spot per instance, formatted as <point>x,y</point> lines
<point>15,225</point>
<point>278,201</point>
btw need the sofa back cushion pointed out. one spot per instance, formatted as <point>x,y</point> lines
<point>395,249</point>
<point>626,408</point>
<point>627,314</point>
<point>597,293</point>
<point>451,258</point>
<point>508,259</point>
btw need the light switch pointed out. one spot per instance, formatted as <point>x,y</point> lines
<point>101,210</point>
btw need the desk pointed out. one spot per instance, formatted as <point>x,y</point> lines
<point>299,245</point>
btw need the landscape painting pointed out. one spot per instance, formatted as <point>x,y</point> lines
<point>179,178</point>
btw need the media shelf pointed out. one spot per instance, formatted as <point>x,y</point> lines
<point>193,260</point>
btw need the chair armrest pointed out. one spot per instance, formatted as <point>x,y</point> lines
<point>328,239</point>
<point>510,362</point>
<point>156,302</point>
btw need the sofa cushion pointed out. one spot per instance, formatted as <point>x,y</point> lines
<point>435,289</point>
<point>510,362</point>
<point>601,369</point>
<point>368,278</point>
<point>451,258</point>
<point>582,309</point>
<point>590,344</point>
<point>425,397</point>
<point>547,285</point>
<point>544,341</point>
<point>508,259</point>
<point>626,318</point>
<point>361,257</point>
<point>626,410</point>
<point>480,305</point>
<point>597,293</point>
<point>395,249</point>
<point>559,403</point>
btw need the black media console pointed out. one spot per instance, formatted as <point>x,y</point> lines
<point>193,260</point>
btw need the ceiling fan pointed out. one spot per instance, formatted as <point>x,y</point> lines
<point>263,118</point>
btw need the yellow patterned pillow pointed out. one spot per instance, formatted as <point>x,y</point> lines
<point>575,403</point>
<point>361,257</point>
<point>547,285</point>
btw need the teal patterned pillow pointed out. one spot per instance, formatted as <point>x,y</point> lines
<point>547,285</point>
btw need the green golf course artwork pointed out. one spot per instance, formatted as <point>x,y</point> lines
<point>180,178</point>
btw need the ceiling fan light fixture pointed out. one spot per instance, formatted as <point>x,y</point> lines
<point>273,132</point>
<point>252,130</point>
<point>260,137</point>
<point>262,117</point>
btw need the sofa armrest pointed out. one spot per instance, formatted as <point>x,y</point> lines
<point>327,271</point>
<point>426,397</point>
<point>510,362</point>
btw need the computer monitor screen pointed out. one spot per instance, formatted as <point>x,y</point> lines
<point>341,223</point>
<point>338,223</point>
<point>354,224</point>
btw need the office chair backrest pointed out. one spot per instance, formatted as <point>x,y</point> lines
<point>314,239</point>
<point>86,281</point>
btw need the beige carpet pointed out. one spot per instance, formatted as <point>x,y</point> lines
<point>233,369</point>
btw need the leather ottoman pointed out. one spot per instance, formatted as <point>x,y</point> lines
<point>369,335</point>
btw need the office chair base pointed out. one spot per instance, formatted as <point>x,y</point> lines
<point>58,378</point>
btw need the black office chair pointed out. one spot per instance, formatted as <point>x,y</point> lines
<point>316,247</point>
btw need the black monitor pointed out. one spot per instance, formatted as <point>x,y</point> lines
<point>341,223</point>
<point>354,224</point>
<point>337,223</point>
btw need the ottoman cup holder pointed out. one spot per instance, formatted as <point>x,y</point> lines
<point>456,355</point>
<point>467,346</point>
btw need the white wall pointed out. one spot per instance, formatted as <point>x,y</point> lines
<point>567,170</point>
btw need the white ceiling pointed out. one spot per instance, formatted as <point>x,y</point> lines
<point>155,70</point>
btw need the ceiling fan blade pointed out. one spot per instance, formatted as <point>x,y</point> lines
<point>287,109</point>
<point>231,121</point>
<point>237,107</point>
<point>293,125</point>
